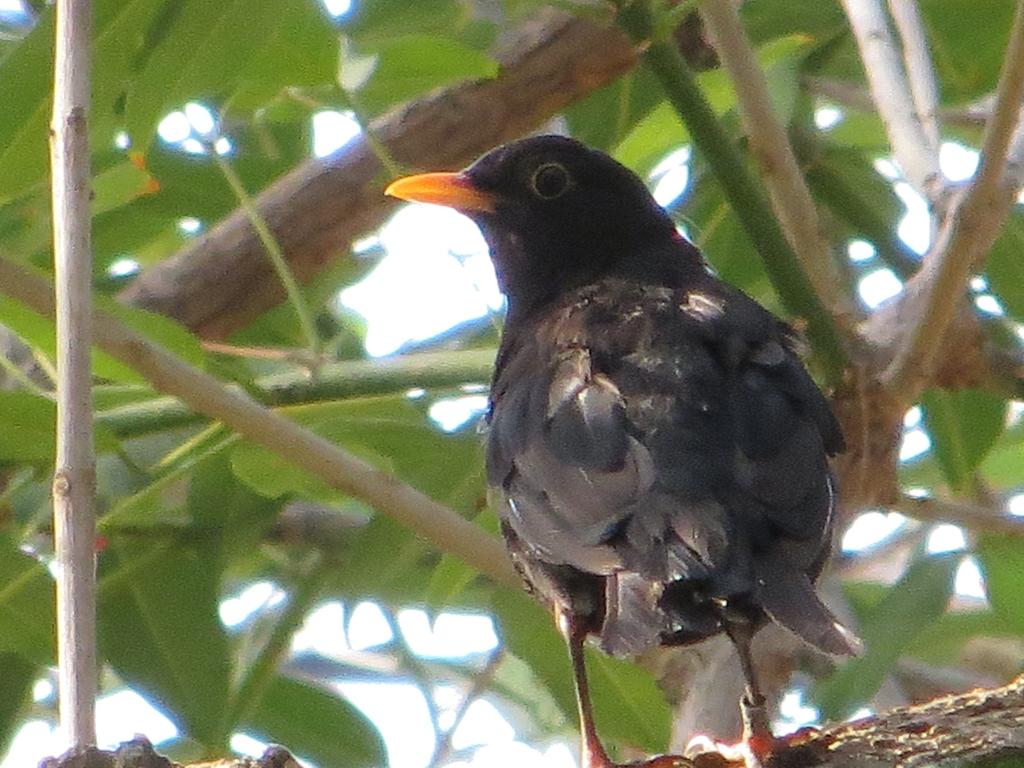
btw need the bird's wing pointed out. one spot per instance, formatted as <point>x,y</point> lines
<point>561,452</point>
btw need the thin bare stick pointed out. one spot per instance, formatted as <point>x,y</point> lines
<point>849,94</point>
<point>770,145</point>
<point>968,232</point>
<point>438,524</point>
<point>976,517</point>
<point>892,93</point>
<point>17,375</point>
<point>283,354</point>
<point>920,71</point>
<point>273,248</point>
<point>479,684</point>
<point>74,480</point>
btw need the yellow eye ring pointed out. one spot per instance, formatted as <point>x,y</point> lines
<point>550,180</point>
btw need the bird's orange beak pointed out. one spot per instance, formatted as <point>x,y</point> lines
<point>452,189</point>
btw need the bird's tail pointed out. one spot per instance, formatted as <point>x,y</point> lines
<point>787,595</point>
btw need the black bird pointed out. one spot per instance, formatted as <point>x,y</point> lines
<point>660,452</point>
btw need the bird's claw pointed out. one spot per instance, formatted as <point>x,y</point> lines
<point>705,752</point>
<point>754,751</point>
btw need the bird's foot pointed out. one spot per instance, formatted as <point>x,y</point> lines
<point>756,752</point>
<point>705,752</point>
<point>757,731</point>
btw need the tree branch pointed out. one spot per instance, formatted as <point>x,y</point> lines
<point>892,94</point>
<point>953,730</point>
<point>790,197</point>
<point>920,71</point>
<point>222,280</point>
<point>967,234</point>
<point>973,516</point>
<point>334,381</point>
<point>74,480</point>
<point>436,523</point>
<point>852,95</point>
<point>479,683</point>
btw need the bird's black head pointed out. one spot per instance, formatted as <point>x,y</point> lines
<point>558,215</point>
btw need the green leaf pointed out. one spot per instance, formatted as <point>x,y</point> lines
<point>409,66</point>
<point>198,52</point>
<point>888,628</point>
<point>861,131</point>
<point>964,426</point>
<point>160,629</point>
<point>192,185</point>
<point>1002,466</point>
<point>118,186</point>
<point>767,21</point>
<point>18,676</point>
<point>153,504</point>
<point>942,642</point>
<point>628,705</point>
<point>605,118</point>
<point>630,694</point>
<point>865,201</point>
<point>316,725</point>
<point>1003,561</point>
<point>1005,266</point>
<point>226,507</point>
<point>781,60</point>
<point>40,333</point>
<point>390,432</point>
<point>27,622</point>
<point>159,329</point>
<point>301,51</point>
<point>272,476</point>
<point>27,424</point>
<point>381,20</point>
<point>25,86</point>
<point>715,229</point>
<point>967,56</point>
<point>659,132</point>
<point>25,77</point>
<point>515,681</point>
<point>452,578</point>
<point>384,561</point>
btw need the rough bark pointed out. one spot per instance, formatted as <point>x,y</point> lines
<point>983,724</point>
<point>222,280</point>
<point>960,730</point>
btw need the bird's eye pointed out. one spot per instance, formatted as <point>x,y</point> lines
<point>549,181</point>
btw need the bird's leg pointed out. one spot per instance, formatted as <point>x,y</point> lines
<point>592,754</point>
<point>757,732</point>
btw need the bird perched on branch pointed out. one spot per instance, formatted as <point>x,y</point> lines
<point>659,450</point>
